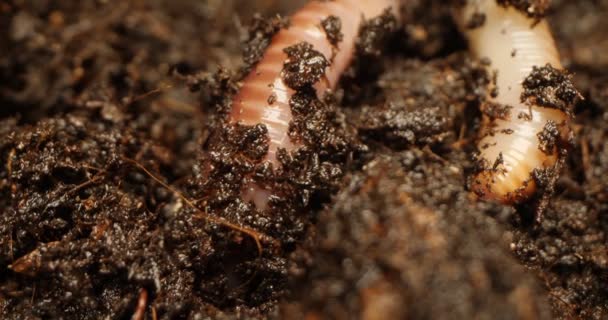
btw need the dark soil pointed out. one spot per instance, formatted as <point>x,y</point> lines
<point>120,179</point>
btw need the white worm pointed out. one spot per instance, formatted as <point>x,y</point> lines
<point>511,146</point>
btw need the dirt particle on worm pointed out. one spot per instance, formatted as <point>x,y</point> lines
<point>476,20</point>
<point>548,137</point>
<point>497,111</point>
<point>304,65</point>
<point>550,88</point>
<point>332,26</point>
<point>499,162</point>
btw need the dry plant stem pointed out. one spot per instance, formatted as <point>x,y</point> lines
<point>256,236</point>
<point>251,104</point>
<point>509,146</point>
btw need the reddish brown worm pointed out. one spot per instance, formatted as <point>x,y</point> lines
<point>251,104</point>
<point>511,145</point>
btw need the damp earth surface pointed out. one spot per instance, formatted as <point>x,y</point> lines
<point>120,178</point>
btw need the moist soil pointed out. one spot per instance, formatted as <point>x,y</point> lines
<point>120,178</point>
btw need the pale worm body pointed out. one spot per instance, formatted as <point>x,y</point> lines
<point>264,96</point>
<point>509,146</point>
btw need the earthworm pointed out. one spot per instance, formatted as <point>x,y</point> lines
<point>527,116</point>
<point>264,96</point>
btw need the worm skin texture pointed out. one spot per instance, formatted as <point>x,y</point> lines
<point>251,104</point>
<point>515,44</point>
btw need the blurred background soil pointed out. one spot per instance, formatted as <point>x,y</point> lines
<point>107,209</point>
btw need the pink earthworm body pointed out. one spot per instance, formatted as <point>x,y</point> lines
<point>512,146</point>
<point>264,96</point>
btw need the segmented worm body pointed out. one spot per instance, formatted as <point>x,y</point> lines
<point>264,96</point>
<point>519,130</point>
